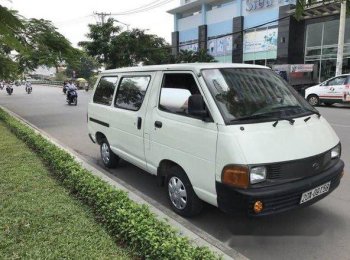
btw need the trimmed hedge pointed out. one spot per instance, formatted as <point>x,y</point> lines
<point>130,223</point>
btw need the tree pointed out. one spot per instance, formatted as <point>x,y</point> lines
<point>188,56</point>
<point>44,46</point>
<point>84,67</point>
<point>27,43</point>
<point>114,48</point>
<point>131,48</point>
<point>101,36</point>
<point>10,24</point>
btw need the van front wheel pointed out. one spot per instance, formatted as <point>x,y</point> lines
<point>109,159</point>
<point>181,195</point>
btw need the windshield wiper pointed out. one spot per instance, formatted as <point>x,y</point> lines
<point>265,115</point>
<point>291,121</point>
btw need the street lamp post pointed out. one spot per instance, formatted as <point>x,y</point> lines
<point>342,20</point>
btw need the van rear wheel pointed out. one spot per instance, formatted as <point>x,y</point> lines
<point>182,198</point>
<point>109,159</point>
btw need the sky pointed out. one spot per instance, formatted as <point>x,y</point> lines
<point>72,17</point>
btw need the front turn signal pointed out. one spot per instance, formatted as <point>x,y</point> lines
<point>236,175</point>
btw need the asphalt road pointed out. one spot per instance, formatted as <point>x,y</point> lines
<point>321,231</point>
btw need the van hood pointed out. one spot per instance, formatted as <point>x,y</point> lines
<point>263,143</point>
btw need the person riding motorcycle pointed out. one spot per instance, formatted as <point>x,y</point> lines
<point>9,88</point>
<point>70,87</point>
<point>28,85</point>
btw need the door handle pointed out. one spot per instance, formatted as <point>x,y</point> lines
<point>139,123</point>
<point>158,124</point>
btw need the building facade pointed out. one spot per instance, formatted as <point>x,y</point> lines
<point>262,32</point>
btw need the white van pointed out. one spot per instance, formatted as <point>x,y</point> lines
<point>333,90</point>
<point>232,135</point>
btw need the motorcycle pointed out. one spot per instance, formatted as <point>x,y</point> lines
<point>29,89</point>
<point>72,97</point>
<point>9,89</point>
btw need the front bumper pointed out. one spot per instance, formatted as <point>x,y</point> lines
<point>276,198</point>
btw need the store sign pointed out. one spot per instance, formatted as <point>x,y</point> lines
<point>189,47</point>
<point>302,68</point>
<point>261,40</point>
<point>252,5</point>
<point>220,47</point>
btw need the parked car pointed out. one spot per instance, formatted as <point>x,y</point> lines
<point>236,136</point>
<point>333,90</point>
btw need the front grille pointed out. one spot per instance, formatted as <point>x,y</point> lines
<point>299,169</point>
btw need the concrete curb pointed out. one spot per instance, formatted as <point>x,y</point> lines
<point>200,238</point>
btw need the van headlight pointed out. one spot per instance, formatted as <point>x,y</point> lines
<point>336,151</point>
<point>257,174</point>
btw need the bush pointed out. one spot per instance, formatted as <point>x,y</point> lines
<point>130,223</point>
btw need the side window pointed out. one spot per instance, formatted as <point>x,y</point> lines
<point>175,92</point>
<point>131,92</point>
<point>337,81</point>
<point>324,83</point>
<point>104,90</point>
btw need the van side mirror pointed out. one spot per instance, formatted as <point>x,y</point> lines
<point>196,106</point>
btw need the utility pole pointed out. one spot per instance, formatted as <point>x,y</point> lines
<point>102,16</point>
<point>342,20</point>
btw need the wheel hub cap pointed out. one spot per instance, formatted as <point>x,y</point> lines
<point>105,153</point>
<point>313,101</point>
<point>177,193</point>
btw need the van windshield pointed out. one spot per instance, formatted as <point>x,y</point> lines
<point>254,94</point>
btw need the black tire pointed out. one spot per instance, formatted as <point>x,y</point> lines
<point>193,205</point>
<point>113,159</point>
<point>75,101</point>
<point>313,100</point>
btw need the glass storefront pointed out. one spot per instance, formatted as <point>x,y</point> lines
<point>322,45</point>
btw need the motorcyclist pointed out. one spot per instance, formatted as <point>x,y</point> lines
<point>9,87</point>
<point>28,85</point>
<point>70,87</point>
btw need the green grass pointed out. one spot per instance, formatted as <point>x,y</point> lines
<point>38,217</point>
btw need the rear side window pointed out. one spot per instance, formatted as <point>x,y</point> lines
<point>131,92</point>
<point>104,90</point>
<point>175,92</point>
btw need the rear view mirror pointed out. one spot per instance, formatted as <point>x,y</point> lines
<point>196,106</point>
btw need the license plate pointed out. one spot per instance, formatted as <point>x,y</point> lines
<point>309,195</point>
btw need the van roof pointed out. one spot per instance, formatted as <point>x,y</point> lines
<point>183,66</point>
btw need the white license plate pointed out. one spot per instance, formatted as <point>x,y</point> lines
<point>309,195</point>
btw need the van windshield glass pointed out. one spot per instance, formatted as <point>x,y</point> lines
<point>254,94</point>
